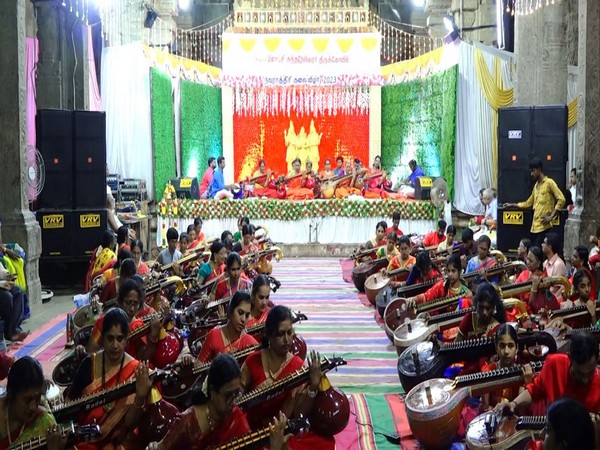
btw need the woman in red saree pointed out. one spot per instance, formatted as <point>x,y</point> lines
<point>261,292</point>
<point>215,265</point>
<point>274,362</point>
<point>105,370</point>
<point>489,314</point>
<point>235,279</point>
<point>296,184</point>
<point>126,269</point>
<point>231,336</point>
<point>214,419</point>
<point>22,418</point>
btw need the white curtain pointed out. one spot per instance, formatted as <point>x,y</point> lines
<point>126,100</point>
<point>473,160</point>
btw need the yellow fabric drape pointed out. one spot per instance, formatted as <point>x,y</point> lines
<point>572,107</point>
<point>497,97</point>
<point>411,66</point>
<point>174,62</point>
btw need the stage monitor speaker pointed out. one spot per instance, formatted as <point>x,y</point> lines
<point>90,159</point>
<point>423,188</point>
<point>515,224</point>
<point>186,187</point>
<point>56,233</point>
<point>54,130</point>
<point>88,227</point>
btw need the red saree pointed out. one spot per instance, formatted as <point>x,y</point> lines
<point>226,289</point>
<point>214,344</point>
<point>258,320</point>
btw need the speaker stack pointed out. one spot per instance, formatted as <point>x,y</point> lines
<point>525,133</point>
<point>71,209</point>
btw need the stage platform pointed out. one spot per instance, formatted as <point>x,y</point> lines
<point>335,221</point>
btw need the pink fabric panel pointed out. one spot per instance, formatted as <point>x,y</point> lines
<point>32,50</point>
<point>94,91</point>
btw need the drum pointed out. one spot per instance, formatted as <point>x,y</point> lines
<point>374,284</point>
<point>237,191</point>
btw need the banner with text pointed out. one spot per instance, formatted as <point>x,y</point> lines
<point>251,60</point>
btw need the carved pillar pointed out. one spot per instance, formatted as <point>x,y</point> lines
<point>540,47</point>
<point>586,217</point>
<point>18,223</point>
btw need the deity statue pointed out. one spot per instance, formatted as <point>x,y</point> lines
<point>302,145</point>
<point>312,144</point>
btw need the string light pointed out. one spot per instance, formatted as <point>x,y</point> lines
<point>527,7</point>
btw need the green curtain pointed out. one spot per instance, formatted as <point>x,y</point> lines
<point>163,131</point>
<point>418,121</point>
<point>201,126</point>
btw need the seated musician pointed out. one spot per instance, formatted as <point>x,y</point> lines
<point>215,265</point>
<point>237,236</point>
<point>395,225</point>
<point>126,269</point>
<point>104,370</point>
<point>327,173</point>
<point>402,260</point>
<point>274,362</point>
<point>231,336</point>
<point>554,266</point>
<point>423,270</point>
<point>131,300</point>
<point>537,299</point>
<point>483,260</point>
<point>22,418</point>
<point>570,427</point>
<point>448,245</point>
<point>184,244</point>
<point>137,250</point>
<point>579,262</point>
<point>169,254</point>
<point>214,419</point>
<point>123,239</point>
<point>235,279</point>
<point>408,188</point>
<point>451,286</point>
<point>348,187</point>
<point>12,306</point>
<point>248,245</point>
<point>199,237</point>
<point>207,177</point>
<point>296,184</point>
<point>389,250</point>
<point>523,248</point>
<point>506,343</point>
<point>489,314</point>
<point>191,231</point>
<point>373,187</point>
<point>436,237</point>
<point>574,375</point>
<point>468,247</point>
<point>582,286</point>
<point>379,239</point>
<point>261,293</point>
<point>339,167</point>
<point>262,175</point>
<point>103,258</point>
<point>217,189</point>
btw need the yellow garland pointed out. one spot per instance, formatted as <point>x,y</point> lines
<point>572,107</point>
<point>162,57</point>
<point>497,97</point>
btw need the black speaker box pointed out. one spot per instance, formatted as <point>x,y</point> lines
<point>88,227</point>
<point>186,187</point>
<point>89,159</point>
<point>514,225</point>
<point>56,233</point>
<point>55,142</point>
<point>423,188</point>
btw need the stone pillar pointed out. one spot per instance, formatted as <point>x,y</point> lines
<point>17,222</point>
<point>540,47</point>
<point>586,216</point>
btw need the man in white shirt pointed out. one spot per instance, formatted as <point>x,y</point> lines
<point>554,265</point>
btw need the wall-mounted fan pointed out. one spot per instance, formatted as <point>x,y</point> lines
<point>36,173</point>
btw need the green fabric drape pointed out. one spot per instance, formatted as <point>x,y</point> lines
<point>163,130</point>
<point>418,121</point>
<point>201,126</point>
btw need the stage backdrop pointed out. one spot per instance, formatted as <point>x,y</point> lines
<point>163,130</point>
<point>310,136</point>
<point>201,127</point>
<point>418,121</point>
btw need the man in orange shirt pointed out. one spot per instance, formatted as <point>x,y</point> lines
<point>435,238</point>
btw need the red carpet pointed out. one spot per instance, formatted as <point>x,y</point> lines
<point>347,266</point>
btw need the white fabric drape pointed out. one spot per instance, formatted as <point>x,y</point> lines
<point>126,100</point>
<point>330,230</point>
<point>95,102</point>
<point>473,160</point>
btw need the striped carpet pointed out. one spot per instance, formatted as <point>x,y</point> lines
<point>339,324</point>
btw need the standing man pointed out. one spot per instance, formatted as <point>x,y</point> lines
<point>546,199</point>
<point>217,189</point>
<point>207,177</point>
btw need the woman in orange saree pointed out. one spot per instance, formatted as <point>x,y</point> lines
<point>296,186</point>
<point>104,370</point>
<point>274,362</point>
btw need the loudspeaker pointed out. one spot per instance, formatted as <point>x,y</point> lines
<point>524,133</point>
<point>88,226</point>
<point>54,129</point>
<point>186,187</point>
<point>90,159</point>
<point>423,188</point>
<point>514,225</point>
<point>56,233</point>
